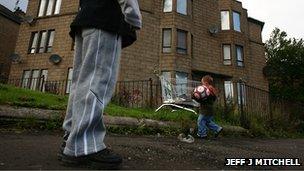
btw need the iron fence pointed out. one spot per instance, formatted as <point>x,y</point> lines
<point>59,87</point>
<point>248,101</point>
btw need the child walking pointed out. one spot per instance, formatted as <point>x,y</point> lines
<point>205,120</point>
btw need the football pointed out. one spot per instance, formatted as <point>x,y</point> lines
<point>201,93</point>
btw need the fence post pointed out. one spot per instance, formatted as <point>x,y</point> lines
<point>151,92</point>
<point>41,83</point>
<point>270,109</point>
<point>241,107</point>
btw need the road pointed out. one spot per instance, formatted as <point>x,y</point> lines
<point>37,150</point>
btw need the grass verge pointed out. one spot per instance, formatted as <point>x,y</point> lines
<point>26,98</point>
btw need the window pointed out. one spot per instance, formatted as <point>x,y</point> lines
<point>42,8</point>
<point>69,81</point>
<point>181,6</point>
<point>225,20</point>
<point>181,42</point>
<point>227,54</point>
<point>42,42</point>
<point>228,85</point>
<point>167,40</point>
<point>241,93</point>
<point>44,75</point>
<point>43,35</point>
<point>57,7</point>
<point>237,21</point>
<point>181,83</point>
<point>34,41</point>
<point>50,41</point>
<point>239,56</point>
<point>35,79</point>
<point>49,7</point>
<point>168,5</point>
<point>26,78</point>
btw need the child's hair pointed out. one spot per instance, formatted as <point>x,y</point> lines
<point>208,79</point>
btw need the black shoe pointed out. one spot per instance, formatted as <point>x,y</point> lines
<point>218,133</point>
<point>62,146</point>
<point>105,159</point>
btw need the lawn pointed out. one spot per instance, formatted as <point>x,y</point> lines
<point>27,98</point>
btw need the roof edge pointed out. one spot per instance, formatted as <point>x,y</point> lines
<point>9,14</point>
<point>255,21</point>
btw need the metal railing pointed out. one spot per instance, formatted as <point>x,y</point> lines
<point>249,102</point>
<point>60,87</point>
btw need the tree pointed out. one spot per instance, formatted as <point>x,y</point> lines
<point>285,66</point>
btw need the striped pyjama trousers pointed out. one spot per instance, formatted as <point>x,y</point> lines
<point>95,70</point>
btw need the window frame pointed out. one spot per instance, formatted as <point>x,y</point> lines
<point>47,46</point>
<point>231,89</point>
<point>230,54</point>
<point>241,85</point>
<point>177,5</point>
<point>59,7</point>
<point>52,8</point>
<point>229,22</point>
<point>44,47</point>
<point>238,62</point>
<point>172,4</point>
<point>30,80</point>
<point>163,38</point>
<point>32,42</point>
<point>240,22</point>
<point>181,50</point>
<point>26,83</point>
<point>35,81</point>
<point>46,7</point>
<point>69,81</point>
<point>42,84</point>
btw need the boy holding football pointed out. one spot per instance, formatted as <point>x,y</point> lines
<point>205,119</point>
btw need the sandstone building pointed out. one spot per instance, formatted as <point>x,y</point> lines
<point>9,29</point>
<point>182,39</point>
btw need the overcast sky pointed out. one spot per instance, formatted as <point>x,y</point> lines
<point>10,4</point>
<point>284,14</point>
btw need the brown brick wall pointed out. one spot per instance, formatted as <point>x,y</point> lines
<point>8,36</point>
<point>62,42</point>
<point>144,57</point>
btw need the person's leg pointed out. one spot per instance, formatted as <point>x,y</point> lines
<point>97,77</point>
<point>201,124</point>
<point>212,125</point>
<point>67,124</point>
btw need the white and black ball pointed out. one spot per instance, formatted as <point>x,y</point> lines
<point>201,93</point>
